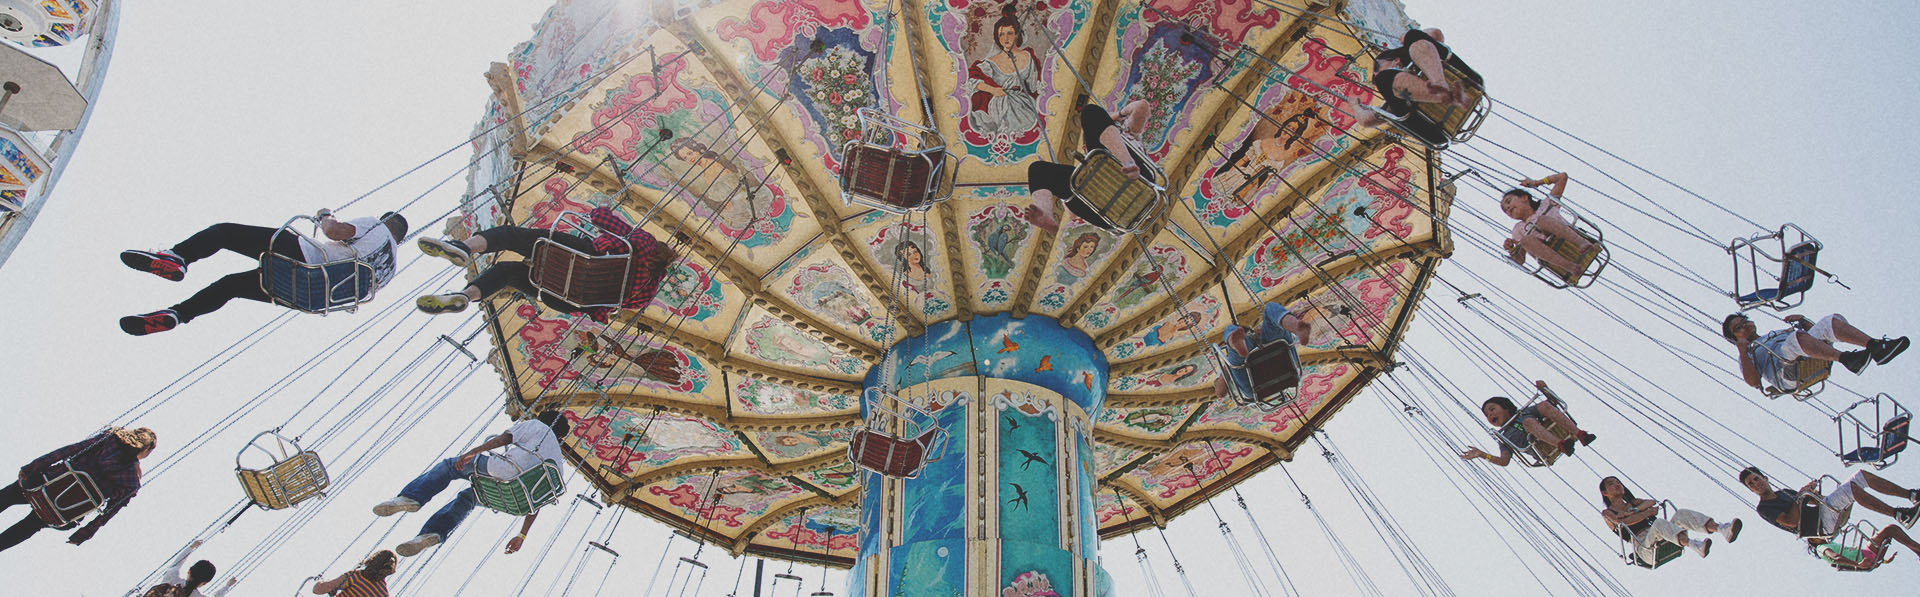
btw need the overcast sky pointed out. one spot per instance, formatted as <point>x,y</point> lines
<point>252,112</point>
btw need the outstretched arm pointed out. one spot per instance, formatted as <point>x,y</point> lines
<point>1557,179</point>
<point>526,524</point>
<point>1500,460</point>
<point>329,586</point>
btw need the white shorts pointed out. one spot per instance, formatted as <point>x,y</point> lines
<point>1822,330</point>
<point>1839,502</point>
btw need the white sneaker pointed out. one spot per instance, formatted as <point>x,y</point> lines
<point>1700,546</point>
<point>1731,530</point>
<point>417,544</point>
<point>396,506</point>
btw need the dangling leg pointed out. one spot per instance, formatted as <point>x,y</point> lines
<point>1835,329</point>
<point>1047,181</point>
<point>1537,247</point>
<point>20,531</point>
<point>244,285</point>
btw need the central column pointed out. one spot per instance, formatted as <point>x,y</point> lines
<point>1009,505</point>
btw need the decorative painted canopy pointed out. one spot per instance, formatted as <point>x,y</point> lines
<point>724,407</point>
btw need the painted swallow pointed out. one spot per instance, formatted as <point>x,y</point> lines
<point>1030,458</point>
<point>1020,499</point>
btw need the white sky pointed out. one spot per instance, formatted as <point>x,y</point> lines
<point>251,112</point>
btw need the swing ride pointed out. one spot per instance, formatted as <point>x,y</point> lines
<point>916,382</point>
<point>43,88</point>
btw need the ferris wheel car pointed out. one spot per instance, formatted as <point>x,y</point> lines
<point>321,288</point>
<point>1796,260</point>
<point>290,476</point>
<point>1878,439</point>
<point>901,454</point>
<point>895,166</point>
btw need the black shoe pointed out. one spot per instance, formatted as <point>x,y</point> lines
<point>1884,350</point>
<point>157,321</point>
<point>1906,516</point>
<point>1566,447</point>
<point>1855,360</point>
<point>1586,439</point>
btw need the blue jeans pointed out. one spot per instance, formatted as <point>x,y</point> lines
<point>430,483</point>
<point>1270,332</point>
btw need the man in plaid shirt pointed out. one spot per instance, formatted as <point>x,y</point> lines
<point>111,459</point>
<point>649,260</point>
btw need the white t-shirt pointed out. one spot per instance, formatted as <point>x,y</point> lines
<point>372,242</point>
<point>1549,208</point>
<point>174,578</point>
<point>530,435</point>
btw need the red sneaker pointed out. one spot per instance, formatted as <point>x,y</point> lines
<point>160,263</point>
<point>157,321</point>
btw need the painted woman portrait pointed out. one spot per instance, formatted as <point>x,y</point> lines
<point>1006,82</point>
<point>718,183</point>
<point>1170,377</point>
<point>601,352</point>
<point>1076,264</point>
<point>912,264</point>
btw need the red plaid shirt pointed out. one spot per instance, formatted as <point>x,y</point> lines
<point>650,258</point>
<point>114,469</point>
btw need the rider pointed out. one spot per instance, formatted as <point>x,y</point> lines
<point>1277,324</point>
<point>1764,359</point>
<point>1098,130</point>
<point>1413,73</point>
<point>1638,521</point>
<point>111,459</point>
<point>368,239</point>
<point>539,440</point>
<point>649,261</point>
<point>1538,222</point>
<point>1781,507</point>
<point>1866,557</point>
<point>1501,411</point>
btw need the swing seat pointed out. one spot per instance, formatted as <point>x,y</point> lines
<point>1125,202</point>
<point>1877,441</point>
<point>1274,369</point>
<point>66,495</point>
<point>895,166</point>
<point>1806,376</point>
<point>318,288</point>
<point>1534,454</point>
<point>1796,277</point>
<point>920,441</point>
<point>291,476</point>
<point>582,280</point>
<point>1439,125</point>
<point>1589,265</point>
<point>1798,259</point>
<point>1663,553</point>
<point>522,495</point>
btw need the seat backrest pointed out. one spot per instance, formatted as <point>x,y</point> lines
<point>67,495</point>
<point>1123,200</point>
<point>577,278</point>
<point>1275,369</point>
<point>324,288</point>
<point>893,177</point>
<point>286,483</point>
<point>1797,270</point>
<point>520,496</point>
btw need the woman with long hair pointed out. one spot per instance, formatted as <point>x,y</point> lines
<point>1638,521</point>
<point>111,458</point>
<point>369,580</point>
<point>174,585</point>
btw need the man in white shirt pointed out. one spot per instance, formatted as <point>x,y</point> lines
<point>371,240</point>
<point>538,440</point>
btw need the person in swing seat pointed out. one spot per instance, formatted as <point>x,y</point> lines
<point>369,580</point>
<point>539,441</point>
<point>1638,521</point>
<point>1531,430</point>
<point>1277,324</point>
<point>1764,360</point>
<point>1877,550</point>
<point>1416,72</point>
<point>371,240</point>
<point>1781,507</point>
<point>1538,223</point>
<point>650,259</point>
<point>1098,130</point>
<point>111,458</point>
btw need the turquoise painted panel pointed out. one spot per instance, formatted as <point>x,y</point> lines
<point>1034,570</point>
<point>937,498</point>
<point>1034,349</point>
<point>1089,530</point>
<point>1029,478</point>
<point>930,568</point>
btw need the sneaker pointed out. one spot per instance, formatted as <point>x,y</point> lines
<point>160,263</point>
<point>1907,515</point>
<point>1731,530</point>
<point>157,321</point>
<point>1586,439</point>
<point>395,506</point>
<point>1884,350</point>
<point>1855,360</point>
<point>450,250</point>
<point>442,303</point>
<point>417,544</point>
<point>1700,547</point>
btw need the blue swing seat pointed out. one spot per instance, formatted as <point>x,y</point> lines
<point>1893,441</point>
<point>324,288</point>
<point>1796,276</point>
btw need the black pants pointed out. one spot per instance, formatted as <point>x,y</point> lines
<point>514,274</point>
<point>1058,178</point>
<point>11,496</point>
<point>248,241</point>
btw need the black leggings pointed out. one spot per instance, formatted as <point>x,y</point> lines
<point>514,274</point>
<point>11,496</point>
<point>1058,178</point>
<point>247,241</point>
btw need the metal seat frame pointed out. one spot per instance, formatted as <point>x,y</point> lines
<point>292,475</point>
<point>64,497</point>
<point>1138,199</point>
<point>899,442</point>
<point>918,170</point>
<point>1795,259</point>
<point>1456,123</point>
<point>577,278</point>
<point>1589,269</point>
<point>1274,369</point>
<point>1664,551</point>
<point>318,288</point>
<point>1808,374</point>
<point>1853,536</point>
<point>528,490</point>
<point>1533,454</point>
<point>1872,433</point>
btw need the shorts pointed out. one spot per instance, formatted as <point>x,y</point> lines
<point>1515,431</point>
<point>1822,330</point>
<point>1840,502</point>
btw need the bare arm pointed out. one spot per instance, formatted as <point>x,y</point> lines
<point>1501,460</point>
<point>1749,372</point>
<point>1557,179</point>
<point>336,229</point>
<point>328,586</point>
<point>526,524</point>
<point>501,440</point>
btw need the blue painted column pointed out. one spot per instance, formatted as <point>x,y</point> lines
<point>1009,505</point>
